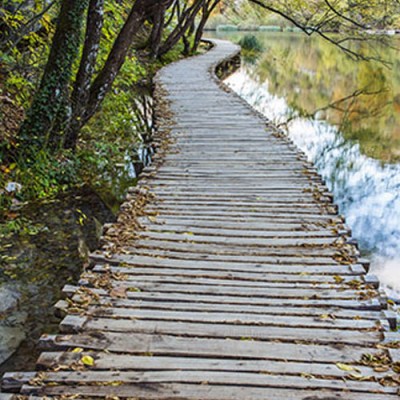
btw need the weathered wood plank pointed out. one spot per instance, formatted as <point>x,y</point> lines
<point>252,280</point>
<point>244,291</point>
<point>242,233</point>
<point>241,241</point>
<point>260,275</point>
<point>158,391</point>
<point>288,334</point>
<point>275,257</point>
<point>123,362</point>
<point>324,311</point>
<point>318,321</point>
<point>250,379</point>
<point>302,267</point>
<point>370,304</point>
<point>167,345</point>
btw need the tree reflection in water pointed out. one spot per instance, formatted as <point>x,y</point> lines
<point>345,116</point>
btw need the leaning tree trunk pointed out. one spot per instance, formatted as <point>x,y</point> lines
<point>104,80</point>
<point>184,24</point>
<point>208,8</point>
<point>157,31</point>
<point>50,97</point>
<point>94,96</point>
<point>80,94</point>
<point>185,39</point>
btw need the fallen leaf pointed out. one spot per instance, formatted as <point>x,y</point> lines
<point>119,292</point>
<point>77,350</point>
<point>87,360</point>
<point>345,367</point>
<point>356,376</point>
<point>338,279</point>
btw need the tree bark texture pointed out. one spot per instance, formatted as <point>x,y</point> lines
<point>208,8</point>
<point>141,10</point>
<point>80,94</point>
<point>50,97</point>
<point>185,21</point>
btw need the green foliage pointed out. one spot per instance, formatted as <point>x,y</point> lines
<point>115,13</point>
<point>20,226</point>
<point>46,176</point>
<point>250,43</point>
<point>115,126</point>
<point>111,135</point>
<point>23,52</point>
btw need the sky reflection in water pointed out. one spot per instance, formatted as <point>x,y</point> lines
<point>366,189</point>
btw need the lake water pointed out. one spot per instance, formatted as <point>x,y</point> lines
<point>345,115</point>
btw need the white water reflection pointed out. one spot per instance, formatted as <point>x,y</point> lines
<point>366,190</point>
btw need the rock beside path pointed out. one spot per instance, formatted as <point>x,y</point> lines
<point>12,321</point>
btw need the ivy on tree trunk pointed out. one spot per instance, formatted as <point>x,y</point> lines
<point>80,94</point>
<point>50,98</point>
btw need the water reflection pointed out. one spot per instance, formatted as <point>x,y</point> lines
<point>345,116</point>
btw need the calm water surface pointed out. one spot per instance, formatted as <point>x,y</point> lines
<point>345,115</point>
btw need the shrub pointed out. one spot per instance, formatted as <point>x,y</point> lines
<point>250,43</point>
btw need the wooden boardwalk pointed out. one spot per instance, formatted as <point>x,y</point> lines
<point>228,276</point>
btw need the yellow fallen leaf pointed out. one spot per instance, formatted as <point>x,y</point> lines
<point>87,360</point>
<point>345,367</point>
<point>338,279</point>
<point>356,376</point>
<point>77,350</point>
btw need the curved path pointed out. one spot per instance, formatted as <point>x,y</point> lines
<point>238,284</point>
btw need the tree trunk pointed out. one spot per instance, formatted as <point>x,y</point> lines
<point>208,8</point>
<point>104,80</point>
<point>186,20</point>
<point>50,97</point>
<point>80,94</point>
<point>157,31</point>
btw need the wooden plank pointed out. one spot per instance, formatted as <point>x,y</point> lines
<point>258,275</point>
<point>370,304</point>
<point>320,284</point>
<point>288,334</point>
<point>319,321</point>
<point>284,198</point>
<point>222,248</point>
<point>240,241</point>
<point>242,233</point>
<point>244,291</point>
<point>250,222</point>
<point>272,226</point>
<point>280,212</point>
<point>241,204</point>
<point>303,267</point>
<point>250,379</point>
<point>158,391</point>
<point>275,257</point>
<point>125,362</point>
<point>325,312</point>
<point>168,345</point>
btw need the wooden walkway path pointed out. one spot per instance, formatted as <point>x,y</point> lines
<point>239,282</point>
